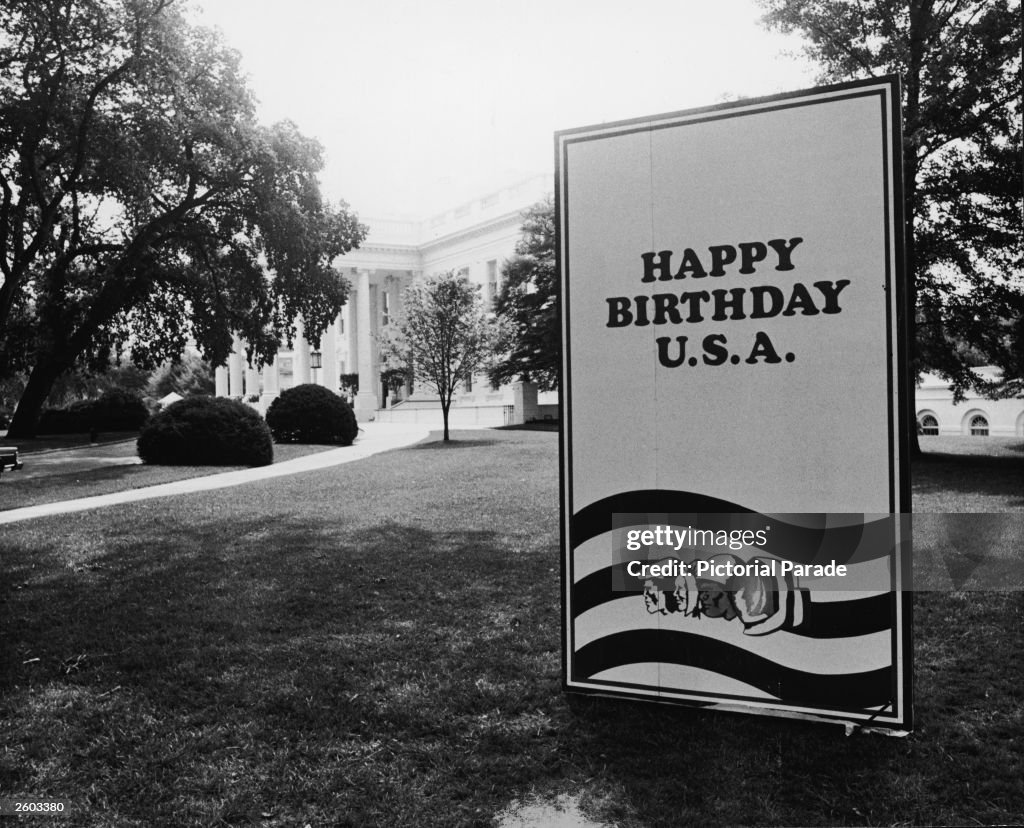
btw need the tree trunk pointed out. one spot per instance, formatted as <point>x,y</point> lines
<point>445,406</point>
<point>30,406</point>
<point>920,21</point>
<point>911,328</point>
<point>910,309</point>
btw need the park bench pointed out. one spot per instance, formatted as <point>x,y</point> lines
<point>9,459</point>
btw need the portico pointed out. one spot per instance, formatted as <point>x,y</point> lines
<point>348,346</point>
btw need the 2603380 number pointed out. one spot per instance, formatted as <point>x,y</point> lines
<point>14,807</point>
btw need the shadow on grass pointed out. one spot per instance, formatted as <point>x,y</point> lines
<point>451,444</point>
<point>679,766</point>
<point>545,425</point>
<point>391,674</point>
<point>68,485</point>
<point>55,486</point>
<point>970,461</point>
<point>112,471</point>
<point>241,636</point>
<point>969,474</point>
<point>33,445</point>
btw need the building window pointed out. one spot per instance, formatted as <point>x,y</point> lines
<point>492,280</point>
<point>979,426</point>
<point>929,425</point>
<point>385,313</point>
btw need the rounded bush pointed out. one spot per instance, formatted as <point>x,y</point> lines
<point>206,431</point>
<point>312,414</point>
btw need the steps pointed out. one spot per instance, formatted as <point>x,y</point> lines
<point>428,412</point>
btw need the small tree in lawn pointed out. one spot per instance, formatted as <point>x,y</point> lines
<point>443,334</point>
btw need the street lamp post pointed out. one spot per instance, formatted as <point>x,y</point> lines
<point>315,362</point>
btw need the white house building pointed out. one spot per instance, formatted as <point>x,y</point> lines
<point>473,238</point>
<point>974,417</point>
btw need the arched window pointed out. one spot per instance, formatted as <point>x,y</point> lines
<point>929,424</point>
<point>979,426</point>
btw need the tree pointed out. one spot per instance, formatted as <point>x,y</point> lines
<point>189,375</point>
<point>960,61</point>
<point>142,204</point>
<point>82,384</point>
<point>394,379</point>
<point>528,301</point>
<point>443,335</point>
<point>79,384</point>
<point>349,383</point>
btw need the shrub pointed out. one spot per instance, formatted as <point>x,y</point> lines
<point>118,410</point>
<point>349,383</point>
<point>114,410</point>
<point>206,431</point>
<point>311,414</point>
<point>56,421</point>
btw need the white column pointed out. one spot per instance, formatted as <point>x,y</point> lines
<point>329,349</point>
<point>385,299</point>
<point>375,314</point>
<point>221,381</point>
<point>351,326</point>
<point>252,380</point>
<point>348,315</point>
<point>366,399</point>
<point>235,369</point>
<point>271,384</point>
<point>300,365</point>
<point>525,402</point>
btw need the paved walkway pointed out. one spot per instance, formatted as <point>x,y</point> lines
<point>375,438</point>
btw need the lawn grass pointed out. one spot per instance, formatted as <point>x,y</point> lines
<point>379,644</point>
<point>18,490</point>
<point>969,474</point>
<point>51,442</point>
<point>968,520</point>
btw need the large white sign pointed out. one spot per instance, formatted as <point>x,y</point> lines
<point>732,288</point>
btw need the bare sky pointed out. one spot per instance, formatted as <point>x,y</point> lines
<point>424,103</point>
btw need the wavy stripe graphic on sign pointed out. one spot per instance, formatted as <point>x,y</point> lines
<point>823,619</point>
<point>846,691</point>
<point>596,518</point>
<point>856,654</point>
<point>676,675</point>
<point>592,556</point>
<point>814,539</point>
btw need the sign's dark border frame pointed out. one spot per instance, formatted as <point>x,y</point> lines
<point>889,90</point>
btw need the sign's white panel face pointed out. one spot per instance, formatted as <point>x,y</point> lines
<point>730,282</point>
